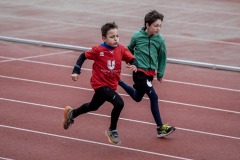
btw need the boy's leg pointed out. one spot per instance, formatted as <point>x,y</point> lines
<point>70,114</point>
<point>98,99</point>
<point>136,95</point>
<point>154,106</point>
<point>162,129</point>
<point>118,104</point>
<point>113,97</point>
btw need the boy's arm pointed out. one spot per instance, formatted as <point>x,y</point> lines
<point>133,65</point>
<point>162,61</point>
<point>77,68</point>
<point>131,45</point>
<point>134,62</point>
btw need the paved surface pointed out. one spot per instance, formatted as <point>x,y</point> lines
<point>35,82</point>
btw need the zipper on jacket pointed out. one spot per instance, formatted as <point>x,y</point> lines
<point>150,62</point>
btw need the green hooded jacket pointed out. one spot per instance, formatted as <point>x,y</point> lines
<point>149,51</point>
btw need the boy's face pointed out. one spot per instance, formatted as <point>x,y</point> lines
<point>154,28</point>
<point>112,38</point>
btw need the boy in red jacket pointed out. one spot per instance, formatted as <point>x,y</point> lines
<point>106,70</point>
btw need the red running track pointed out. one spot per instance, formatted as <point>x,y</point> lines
<point>35,87</point>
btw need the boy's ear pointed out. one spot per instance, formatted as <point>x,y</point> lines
<point>103,38</point>
<point>147,25</point>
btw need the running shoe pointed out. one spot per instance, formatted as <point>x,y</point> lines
<point>112,136</point>
<point>67,117</point>
<point>164,130</point>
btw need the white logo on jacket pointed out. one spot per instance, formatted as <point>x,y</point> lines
<point>111,64</point>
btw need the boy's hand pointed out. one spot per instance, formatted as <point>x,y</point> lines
<point>132,67</point>
<point>160,79</point>
<point>74,77</point>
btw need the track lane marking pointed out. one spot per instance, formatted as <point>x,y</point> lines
<point>125,119</point>
<point>131,31</point>
<point>135,16</point>
<point>94,142</point>
<point>87,69</point>
<point>5,158</point>
<point>9,59</point>
<point>126,95</point>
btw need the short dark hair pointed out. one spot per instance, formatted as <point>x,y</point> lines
<point>106,27</point>
<point>152,16</point>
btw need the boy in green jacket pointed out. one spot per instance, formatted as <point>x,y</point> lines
<point>149,49</point>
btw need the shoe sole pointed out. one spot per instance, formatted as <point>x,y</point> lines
<point>109,139</point>
<point>161,136</point>
<point>65,115</point>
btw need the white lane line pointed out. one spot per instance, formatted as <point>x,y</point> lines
<point>131,31</point>
<point>9,60</point>
<point>94,142</point>
<point>202,39</point>
<point>7,57</point>
<point>44,55</point>
<point>171,81</point>
<point>128,16</point>
<point>90,89</point>
<point>202,24</point>
<point>125,119</point>
<point>3,158</point>
<point>202,85</point>
<point>191,9</point>
<point>29,57</point>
